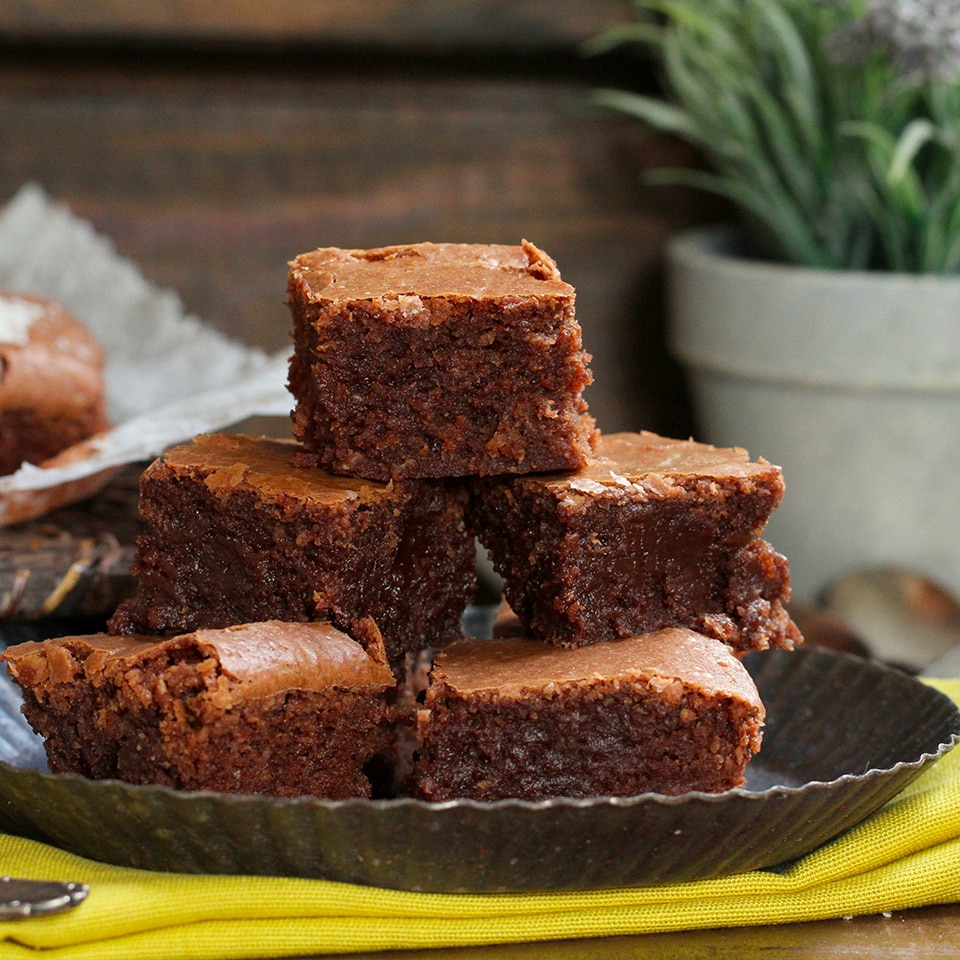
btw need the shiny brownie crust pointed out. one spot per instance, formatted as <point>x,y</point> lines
<point>437,360</point>
<point>175,712</point>
<point>655,533</point>
<point>235,533</point>
<point>667,712</point>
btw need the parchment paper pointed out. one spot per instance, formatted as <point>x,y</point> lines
<point>168,375</point>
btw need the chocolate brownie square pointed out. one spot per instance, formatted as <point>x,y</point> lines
<point>653,533</point>
<point>668,712</point>
<point>437,360</point>
<point>284,709</point>
<point>51,381</point>
<point>235,532</point>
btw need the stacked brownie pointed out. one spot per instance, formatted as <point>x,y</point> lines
<point>437,360</point>
<point>632,587</point>
<point>438,399</point>
<point>280,708</point>
<point>652,533</point>
<point>237,531</point>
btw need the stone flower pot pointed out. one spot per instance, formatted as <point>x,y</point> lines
<point>851,382</point>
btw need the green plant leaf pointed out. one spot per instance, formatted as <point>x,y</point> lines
<point>641,33</point>
<point>784,224</point>
<point>658,114</point>
<point>914,137</point>
<point>847,164</point>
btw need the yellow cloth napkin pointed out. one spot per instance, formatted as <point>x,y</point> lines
<point>905,855</point>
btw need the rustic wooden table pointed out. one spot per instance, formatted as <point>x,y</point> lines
<point>924,934</point>
<point>213,142</point>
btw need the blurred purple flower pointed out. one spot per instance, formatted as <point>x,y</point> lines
<point>920,37</point>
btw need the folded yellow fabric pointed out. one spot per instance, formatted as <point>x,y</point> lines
<point>905,855</point>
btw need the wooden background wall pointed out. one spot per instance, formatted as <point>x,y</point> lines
<point>215,141</point>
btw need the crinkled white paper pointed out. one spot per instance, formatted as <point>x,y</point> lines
<point>168,376</point>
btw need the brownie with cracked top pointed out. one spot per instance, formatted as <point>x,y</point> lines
<point>284,709</point>
<point>51,381</point>
<point>668,712</point>
<point>437,360</point>
<point>653,533</point>
<point>235,532</point>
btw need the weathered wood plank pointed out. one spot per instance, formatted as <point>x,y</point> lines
<point>213,180</point>
<point>387,24</point>
<point>924,934</point>
<point>74,563</point>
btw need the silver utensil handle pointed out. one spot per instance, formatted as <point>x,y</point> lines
<point>31,898</point>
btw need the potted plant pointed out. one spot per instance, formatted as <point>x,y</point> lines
<point>822,330</point>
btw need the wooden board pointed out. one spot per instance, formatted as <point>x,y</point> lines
<point>212,167</point>
<point>399,24</point>
<point>74,563</point>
